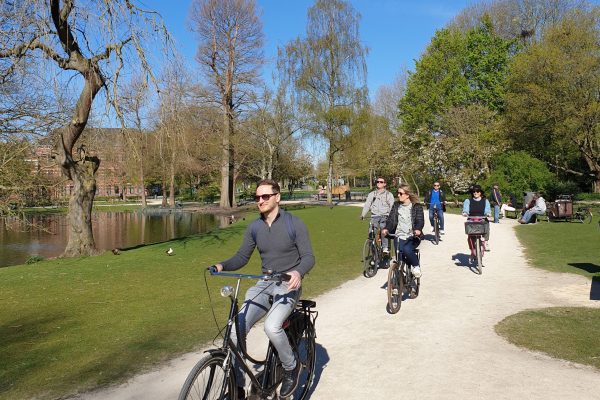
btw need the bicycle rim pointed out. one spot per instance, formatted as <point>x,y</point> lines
<point>437,232</point>
<point>587,217</point>
<point>394,289</point>
<point>369,261</point>
<point>305,353</point>
<point>206,380</point>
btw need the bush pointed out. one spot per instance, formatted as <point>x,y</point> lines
<point>34,259</point>
<point>517,172</point>
<point>555,188</point>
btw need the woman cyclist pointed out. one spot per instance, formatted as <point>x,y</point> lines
<point>477,206</point>
<point>406,220</point>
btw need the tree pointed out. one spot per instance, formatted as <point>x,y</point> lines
<point>229,54</point>
<point>517,172</point>
<point>91,39</point>
<point>328,71</point>
<point>554,105</point>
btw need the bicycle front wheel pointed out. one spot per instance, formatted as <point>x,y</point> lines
<point>305,355</point>
<point>479,251</point>
<point>436,230</point>
<point>395,287</point>
<point>585,216</point>
<point>369,259</point>
<point>208,381</point>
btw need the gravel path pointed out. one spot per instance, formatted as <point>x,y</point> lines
<point>441,345</point>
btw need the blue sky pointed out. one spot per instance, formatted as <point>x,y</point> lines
<point>396,31</point>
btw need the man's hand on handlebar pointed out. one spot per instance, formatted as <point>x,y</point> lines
<point>213,269</point>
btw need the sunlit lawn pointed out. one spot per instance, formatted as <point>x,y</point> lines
<point>72,325</point>
<point>567,333</point>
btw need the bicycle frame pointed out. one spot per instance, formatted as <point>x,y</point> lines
<point>239,352</point>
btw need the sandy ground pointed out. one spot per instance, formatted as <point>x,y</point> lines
<point>441,345</point>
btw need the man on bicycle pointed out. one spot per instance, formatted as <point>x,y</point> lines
<point>284,246</point>
<point>380,203</point>
<point>435,201</point>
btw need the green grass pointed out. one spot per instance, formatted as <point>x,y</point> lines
<point>567,333</point>
<point>71,325</point>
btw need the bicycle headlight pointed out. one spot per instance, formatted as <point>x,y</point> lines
<point>226,291</point>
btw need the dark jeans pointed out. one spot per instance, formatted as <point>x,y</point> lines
<point>440,214</point>
<point>407,248</point>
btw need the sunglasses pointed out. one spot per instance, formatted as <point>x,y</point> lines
<point>476,191</point>
<point>401,193</point>
<point>380,181</point>
<point>265,197</point>
<point>436,185</point>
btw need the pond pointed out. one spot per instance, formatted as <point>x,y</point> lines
<point>48,236</point>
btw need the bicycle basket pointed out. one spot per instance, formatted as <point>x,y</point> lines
<point>476,227</point>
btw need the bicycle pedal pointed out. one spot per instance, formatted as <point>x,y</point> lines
<point>395,292</point>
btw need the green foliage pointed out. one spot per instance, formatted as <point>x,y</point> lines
<point>208,193</point>
<point>517,172</point>
<point>458,69</point>
<point>552,95</point>
<point>555,188</point>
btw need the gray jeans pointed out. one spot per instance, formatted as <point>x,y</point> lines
<point>379,221</point>
<point>257,305</point>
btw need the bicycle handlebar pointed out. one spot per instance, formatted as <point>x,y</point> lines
<point>278,276</point>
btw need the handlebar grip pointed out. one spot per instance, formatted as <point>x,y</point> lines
<point>212,270</point>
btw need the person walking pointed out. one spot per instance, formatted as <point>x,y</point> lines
<point>284,246</point>
<point>496,202</point>
<point>379,202</point>
<point>435,201</point>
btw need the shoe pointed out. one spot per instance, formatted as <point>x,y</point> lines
<point>290,381</point>
<point>386,252</point>
<point>442,232</point>
<point>241,394</point>
<point>416,271</point>
<point>487,246</point>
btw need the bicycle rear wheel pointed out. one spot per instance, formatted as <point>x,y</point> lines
<point>305,355</point>
<point>436,228</point>
<point>207,380</point>
<point>585,216</point>
<point>395,288</point>
<point>369,259</point>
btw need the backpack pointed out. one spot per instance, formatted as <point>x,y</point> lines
<point>291,229</point>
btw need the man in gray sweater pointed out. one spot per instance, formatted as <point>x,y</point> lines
<point>284,246</point>
<point>380,203</point>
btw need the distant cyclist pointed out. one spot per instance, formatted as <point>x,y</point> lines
<point>406,221</point>
<point>435,201</point>
<point>380,203</point>
<point>478,206</point>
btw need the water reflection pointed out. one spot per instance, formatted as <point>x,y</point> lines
<point>48,237</point>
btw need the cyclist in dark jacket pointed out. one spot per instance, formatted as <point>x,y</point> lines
<point>406,221</point>
<point>435,201</point>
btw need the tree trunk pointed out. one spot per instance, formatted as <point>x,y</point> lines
<point>330,178</point>
<point>142,179</point>
<point>172,185</point>
<point>163,186</point>
<point>81,239</point>
<point>226,163</point>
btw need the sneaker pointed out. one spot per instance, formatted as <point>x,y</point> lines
<point>290,381</point>
<point>442,232</point>
<point>386,251</point>
<point>416,271</point>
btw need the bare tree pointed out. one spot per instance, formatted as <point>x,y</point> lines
<point>329,72</point>
<point>91,40</point>
<point>229,54</point>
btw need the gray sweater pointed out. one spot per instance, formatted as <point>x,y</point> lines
<point>277,250</point>
<point>378,203</point>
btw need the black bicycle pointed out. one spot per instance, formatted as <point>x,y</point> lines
<point>401,280</point>
<point>373,255</point>
<point>436,225</point>
<point>213,377</point>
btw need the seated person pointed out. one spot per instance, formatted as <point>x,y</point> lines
<point>536,207</point>
<point>510,206</point>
